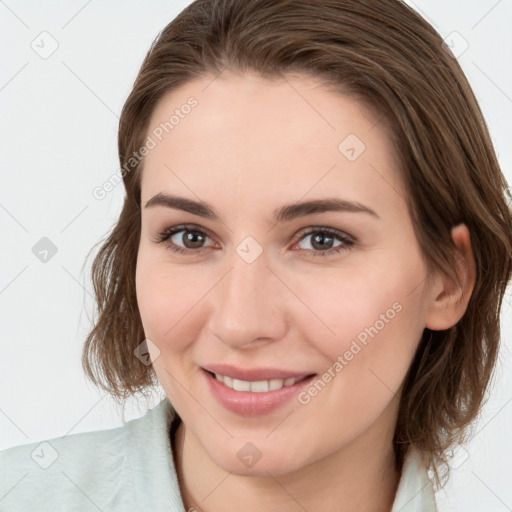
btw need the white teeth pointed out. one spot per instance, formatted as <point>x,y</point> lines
<point>260,386</point>
<point>275,384</point>
<point>241,385</point>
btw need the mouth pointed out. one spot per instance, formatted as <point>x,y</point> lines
<point>254,392</point>
<point>258,386</point>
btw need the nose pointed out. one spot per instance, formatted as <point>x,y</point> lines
<point>249,305</point>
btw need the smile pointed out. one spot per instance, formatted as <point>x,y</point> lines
<point>259,386</point>
<point>254,391</point>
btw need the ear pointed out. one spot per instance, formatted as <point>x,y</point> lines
<point>450,298</point>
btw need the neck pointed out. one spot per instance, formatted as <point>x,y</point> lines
<point>362,476</point>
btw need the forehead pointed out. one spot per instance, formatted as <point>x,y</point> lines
<point>255,132</point>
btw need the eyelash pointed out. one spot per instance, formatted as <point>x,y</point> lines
<point>348,242</point>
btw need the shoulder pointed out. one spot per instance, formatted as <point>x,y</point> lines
<point>89,471</point>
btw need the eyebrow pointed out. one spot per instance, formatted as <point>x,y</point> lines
<point>285,213</point>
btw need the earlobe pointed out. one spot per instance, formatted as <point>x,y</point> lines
<point>451,297</point>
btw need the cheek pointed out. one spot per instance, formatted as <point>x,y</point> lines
<point>151,297</point>
<point>165,299</point>
<point>377,326</point>
<point>373,316</point>
<point>158,297</point>
<point>169,299</point>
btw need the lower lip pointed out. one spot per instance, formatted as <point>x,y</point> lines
<point>247,403</point>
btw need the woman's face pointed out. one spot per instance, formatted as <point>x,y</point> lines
<point>310,314</point>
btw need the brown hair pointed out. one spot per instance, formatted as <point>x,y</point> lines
<point>384,54</point>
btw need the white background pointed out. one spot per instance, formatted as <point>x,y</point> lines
<point>58,141</point>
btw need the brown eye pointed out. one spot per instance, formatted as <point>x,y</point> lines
<point>323,239</point>
<point>183,239</point>
<point>191,239</point>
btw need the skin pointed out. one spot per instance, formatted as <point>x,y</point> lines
<point>252,145</point>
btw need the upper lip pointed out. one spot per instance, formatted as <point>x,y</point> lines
<point>253,374</point>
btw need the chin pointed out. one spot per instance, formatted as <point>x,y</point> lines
<point>257,458</point>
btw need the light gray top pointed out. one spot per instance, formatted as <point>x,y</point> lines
<point>131,468</point>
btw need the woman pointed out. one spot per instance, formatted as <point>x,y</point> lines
<point>310,260</point>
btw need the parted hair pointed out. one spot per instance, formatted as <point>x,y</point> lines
<point>386,55</point>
